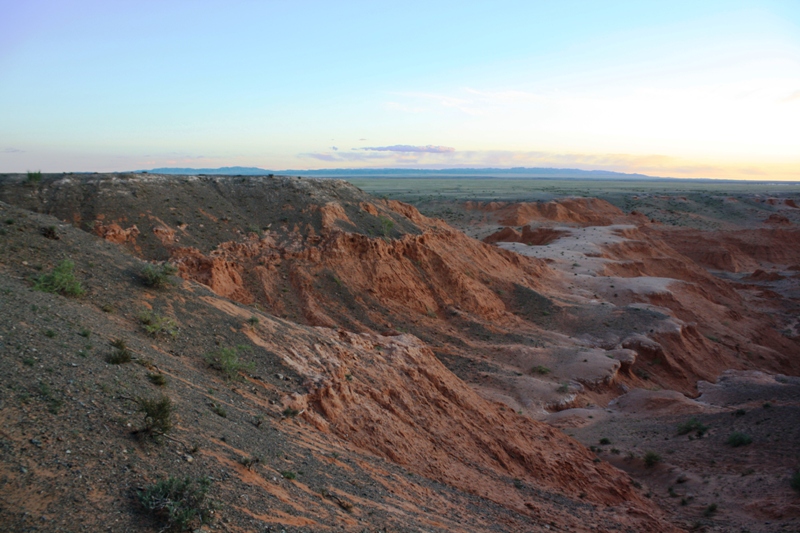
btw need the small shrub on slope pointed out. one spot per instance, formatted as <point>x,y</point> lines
<point>179,504</point>
<point>226,360</point>
<point>158,277</point>
<point>61,280</point>
<point>157,415</point>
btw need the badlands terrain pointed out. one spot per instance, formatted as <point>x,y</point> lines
<point>615,359</point>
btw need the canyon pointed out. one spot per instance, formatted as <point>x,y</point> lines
<point>453,365</point>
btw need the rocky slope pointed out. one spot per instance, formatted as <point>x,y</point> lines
<point>328,429</point>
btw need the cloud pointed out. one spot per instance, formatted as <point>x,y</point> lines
<point>323,157</point>
<point>429,149</point>
<point>13,151</point>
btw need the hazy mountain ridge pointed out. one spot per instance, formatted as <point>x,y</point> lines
<point>521,172</point>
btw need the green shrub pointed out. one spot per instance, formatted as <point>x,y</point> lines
<point>219,410</point>
<point>387,224</point>
<point>49,232</point>
<point>692,425</point>
<point>226,360</point>
<point>179,504</point>
<point>34,177</point>
<point>288,474</point>
<point>120,355</point>
<point>158,276</point>
<point>54,403</point>
<point>157,379</point>
<point>738,438</point>
<point>651,459</point>
<point>795,482</point>
<point>155,324</point>
<point>711,509</point>
<point>61,280</point>
<point>605,441</point>
<point>249,461</point>
<point>157,415</point>
<point>540,369</point>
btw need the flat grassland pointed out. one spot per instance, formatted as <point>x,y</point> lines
<point>538,189</point>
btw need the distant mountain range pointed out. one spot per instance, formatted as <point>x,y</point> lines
<point>518,172</point>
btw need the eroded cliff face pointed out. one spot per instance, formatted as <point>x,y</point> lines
<point>322,429</point>
<point>710,323</point>
<point>413,276</point>
<point>322,252</point>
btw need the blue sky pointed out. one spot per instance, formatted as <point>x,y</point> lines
<point>699,88</point>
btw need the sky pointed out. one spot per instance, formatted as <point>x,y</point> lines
<point>697,88</point>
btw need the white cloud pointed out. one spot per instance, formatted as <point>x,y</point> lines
<point>409,148</point>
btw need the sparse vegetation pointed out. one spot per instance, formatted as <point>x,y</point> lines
<point>605,441</point>
<point>159,380</point>
<point>540,369</point>
<point>253,321</point>
<point>290,413</point>
<point>249,461</point>
<point>387,224</point>
<point>651,459</point>
<point>710,510</point>
<point>179,504</point>
<point>121,353</point>
<point>692,425</point>
<point>226,360</point>
<point>288,474</point>
<point>738,438</point>
<point>34,177</point>
<point>54,403</point>
<point>61,280</point>
<point>795,481</point>
<point>219,410</point>
<point>49,232</point>
<point>157,416</point>
<point>156,324</point>
<point>158,277</point>
<point>563,388</point>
